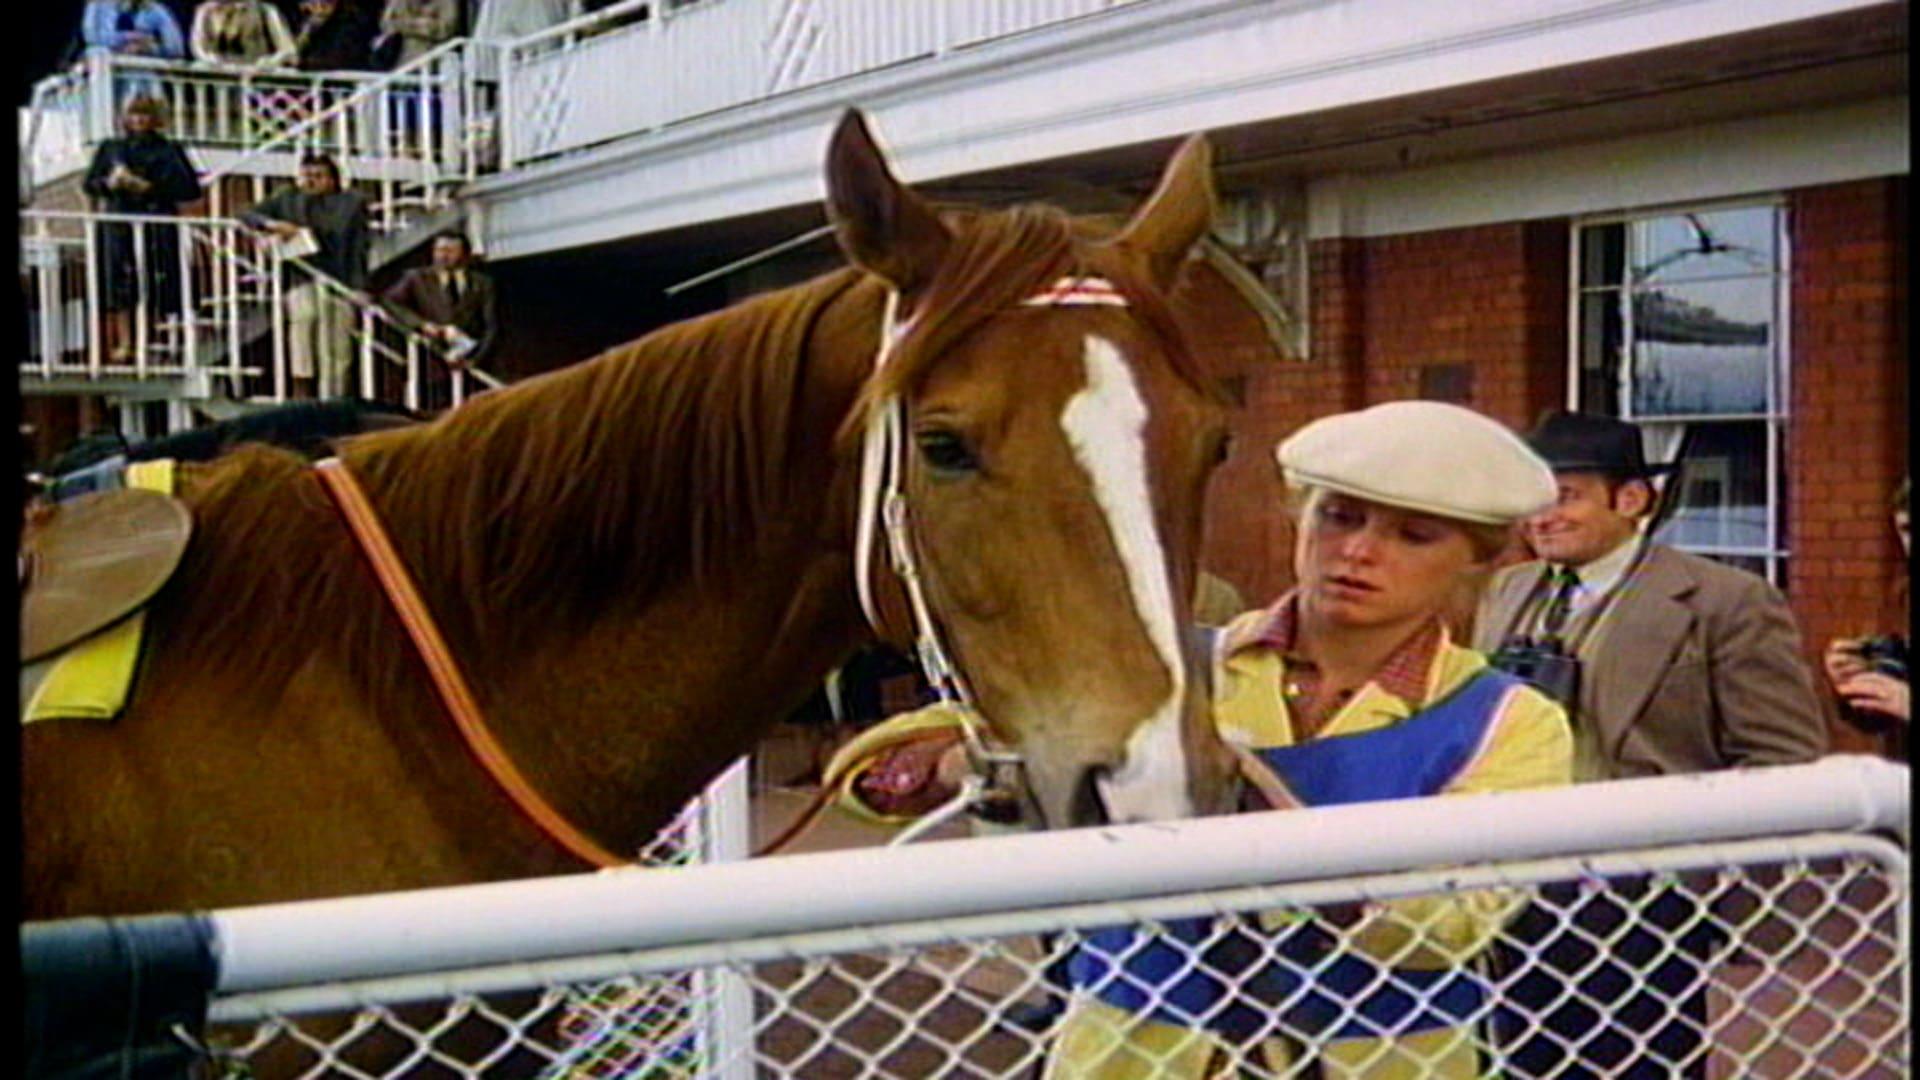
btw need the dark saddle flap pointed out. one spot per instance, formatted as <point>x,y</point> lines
<point>90,562</point>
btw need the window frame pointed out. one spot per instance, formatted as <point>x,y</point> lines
<point>1774,419</point>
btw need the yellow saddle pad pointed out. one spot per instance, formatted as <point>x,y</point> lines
<point>90,680</point>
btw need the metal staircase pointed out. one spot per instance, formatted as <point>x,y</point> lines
<point>209,334</point>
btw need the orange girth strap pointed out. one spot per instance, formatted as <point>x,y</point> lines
<point>447,679</point>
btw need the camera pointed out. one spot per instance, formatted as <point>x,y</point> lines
<point>1885,654</point>
<point>1545,664</point>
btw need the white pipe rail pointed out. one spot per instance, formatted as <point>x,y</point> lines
<point>466,927</point>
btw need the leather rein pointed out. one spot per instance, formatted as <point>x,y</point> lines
<point>448,680</point>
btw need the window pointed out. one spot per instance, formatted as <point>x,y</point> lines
<point>1678,325</point>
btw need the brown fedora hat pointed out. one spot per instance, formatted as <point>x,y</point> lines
<point>88,563</point>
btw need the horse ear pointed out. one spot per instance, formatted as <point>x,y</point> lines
<point>882,225</point>
<point>1177,214</point>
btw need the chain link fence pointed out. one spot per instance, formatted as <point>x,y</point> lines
<point>1768,957</point>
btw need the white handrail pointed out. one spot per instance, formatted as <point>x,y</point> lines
<point>297,944</point>
<point>223,237</point>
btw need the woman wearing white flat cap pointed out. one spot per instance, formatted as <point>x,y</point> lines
<point>1347,688</point>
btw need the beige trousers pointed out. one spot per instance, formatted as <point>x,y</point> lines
<point>319,337</point>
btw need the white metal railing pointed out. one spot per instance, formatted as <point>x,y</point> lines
<point>207,307</point>
<point>607,75</point>
<point>415,134</point>
<point>905,961</point>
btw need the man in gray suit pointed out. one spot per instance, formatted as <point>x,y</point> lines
<point>1680,664</point>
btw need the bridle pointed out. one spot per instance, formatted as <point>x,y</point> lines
<point>996,787</point>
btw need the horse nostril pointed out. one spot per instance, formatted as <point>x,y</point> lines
<point>1088,808</point>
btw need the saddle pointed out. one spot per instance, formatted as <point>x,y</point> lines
<point>88,563</point>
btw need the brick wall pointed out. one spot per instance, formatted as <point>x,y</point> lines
<point>1847,432</point>
<point>1477,316</point>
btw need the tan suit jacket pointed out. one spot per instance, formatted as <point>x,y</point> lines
<point>1697,666</point>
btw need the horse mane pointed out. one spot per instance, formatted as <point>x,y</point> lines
<point>537,508</point>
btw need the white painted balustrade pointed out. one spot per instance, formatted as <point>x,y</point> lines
<point>642,65</point>
<point>208,314</point>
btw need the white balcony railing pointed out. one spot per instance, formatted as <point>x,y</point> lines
<point>197,302</point>
<point>422,128</point>
<point>639,66</point>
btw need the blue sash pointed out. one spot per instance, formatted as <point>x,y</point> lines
<point>1230,976</point>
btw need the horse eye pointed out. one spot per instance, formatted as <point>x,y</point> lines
<point>946,451</point>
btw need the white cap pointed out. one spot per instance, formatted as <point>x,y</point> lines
<point>1428,456</point>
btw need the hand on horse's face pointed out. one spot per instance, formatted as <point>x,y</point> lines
<point>912,779</point>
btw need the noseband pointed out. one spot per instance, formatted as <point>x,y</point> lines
<point>997,787</point>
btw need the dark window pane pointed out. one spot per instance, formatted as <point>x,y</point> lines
<point>1602,336</point>
<point>1723,498</point>
<point>1603,252</point>
<point>1687,247</point>
<point>1703,348</point>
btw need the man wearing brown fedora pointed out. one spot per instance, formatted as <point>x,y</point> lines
<point>1668,663</point>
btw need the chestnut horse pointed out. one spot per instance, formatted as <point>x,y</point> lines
<point>643,560</point>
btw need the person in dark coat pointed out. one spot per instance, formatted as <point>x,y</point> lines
<point>332,37</point>
<point>141,172</point>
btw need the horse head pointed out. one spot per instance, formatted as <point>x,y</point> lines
<point>1051,442</point>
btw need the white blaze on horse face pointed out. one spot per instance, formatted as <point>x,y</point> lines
<point>1106,423</point>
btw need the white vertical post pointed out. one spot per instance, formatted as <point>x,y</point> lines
<point>727,836</point>
<point>230,239</point>
<point>47,273</point>
<point>142,302</point>
<point>133,420</point>
<point>276,294</point>
<point>184,321</point>
<point>96,317</point>
<point>363,346</point>
<point>410,393</point>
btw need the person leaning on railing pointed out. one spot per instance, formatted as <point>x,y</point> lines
<point>319,318</point>
<point>1346,689</point>
<point>240,33</point>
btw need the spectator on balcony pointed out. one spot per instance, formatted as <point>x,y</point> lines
<point>320,314</point>
<point>132,28</point>
<point>332,37</point>
<point>137,28</point>
<point>240,33</point>
<point>452,303</point>
<point>418,27</point>
<point>145,173</point>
